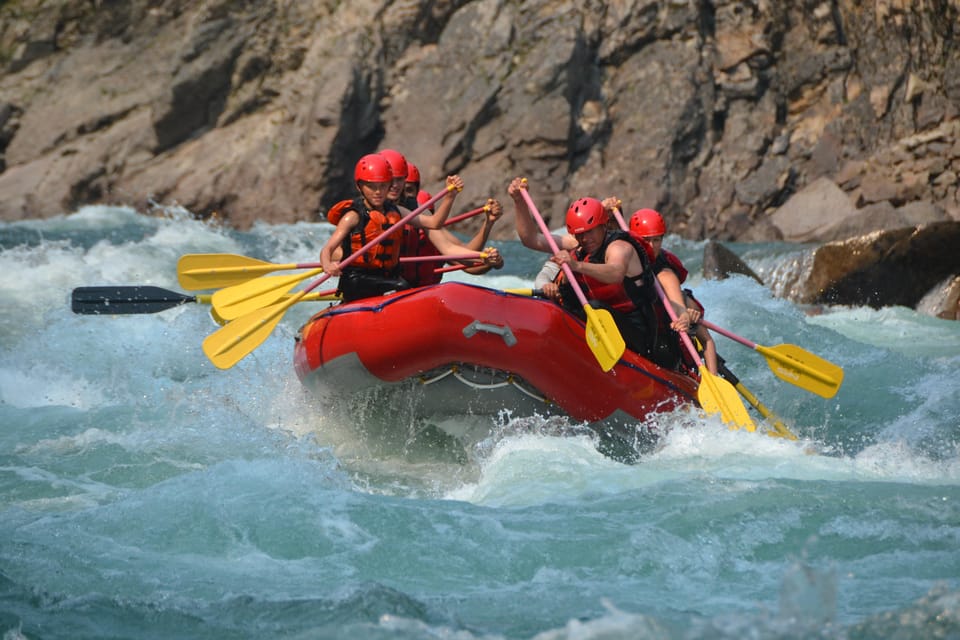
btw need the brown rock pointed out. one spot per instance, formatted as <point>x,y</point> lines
<point>880,99</point>
<point>826,155</point>
<point>946,178</point>
<point>738,42</point>
<point>883,268</point>
<point>259,110</point>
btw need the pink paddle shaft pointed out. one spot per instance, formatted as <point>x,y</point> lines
<point>442,258</point>
<point>729,334</point>
<point>553,245</point>
<point>464,216</point>
<point>663,298</point>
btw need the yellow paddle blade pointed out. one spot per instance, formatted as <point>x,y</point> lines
<point>310,297</point>
<point>241,299</point>
<point>207,298</point>
<point>778,430</point>
<point>231,343</point>
<point>716,395</point>
<point>603,337</point>
<point>803,369</point>
<point>198,271</point>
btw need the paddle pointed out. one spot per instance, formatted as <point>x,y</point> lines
<point>603,336</point>
<point>464,216</point>
<point>231,343</point>
<point>793,364</point>
<point>241,299</point>
<point>779,429</point>
<point>124,300</point>
<point>442,258</point>
<point>198,271</point>
<point>619,218</point>
<point>246,297</point>
<point>532,293</point>
<point>474,258</point>
<point>715,394</point>
<point>456,267</point>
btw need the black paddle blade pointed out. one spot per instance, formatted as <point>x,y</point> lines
<point>125,300</point>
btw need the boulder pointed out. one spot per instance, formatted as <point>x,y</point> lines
<point>943,301</point>
<point>810,213</point>
<point>883,215</point>
<point>719,262</point>
<point>883,268</point>
<point>823,212</point>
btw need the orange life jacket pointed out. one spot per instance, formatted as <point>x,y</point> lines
<point>385,255</point>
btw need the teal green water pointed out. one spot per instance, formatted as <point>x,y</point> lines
<point>146,494</point>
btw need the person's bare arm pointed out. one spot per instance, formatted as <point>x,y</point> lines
<point>493,213</point>
<point>327,254</point>
<point>709,348</point>
<point>435,220</point>
<point>671,286</point>
<point>448,244</point>
<point>527,228</point>
<point>618,261</point>
<point>445,242</point>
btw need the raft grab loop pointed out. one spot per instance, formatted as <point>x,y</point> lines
<point>504,332</point>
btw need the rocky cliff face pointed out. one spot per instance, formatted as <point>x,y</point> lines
<point>719,114</point>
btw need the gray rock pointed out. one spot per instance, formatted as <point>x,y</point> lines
<point>943,301</point>
<point>719,262</point>
<point>883,215</point>
<point>810,213</point>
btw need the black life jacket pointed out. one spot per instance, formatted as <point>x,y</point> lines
<point>632,293</point>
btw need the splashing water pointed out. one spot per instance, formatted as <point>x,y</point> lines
<point>148,494</point>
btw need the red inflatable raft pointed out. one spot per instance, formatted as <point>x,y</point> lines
<point>466,349</point>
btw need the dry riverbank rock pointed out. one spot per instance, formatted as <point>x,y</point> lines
<point>715,114</point>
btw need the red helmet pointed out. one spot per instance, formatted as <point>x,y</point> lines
<point>585,214</point>
<point>413,174</point>
<point>647,223</point>
<point>372,168</point>
<point>398,164</point>
<point>423,196</point>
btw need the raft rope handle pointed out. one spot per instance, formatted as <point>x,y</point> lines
<point>511,380</point>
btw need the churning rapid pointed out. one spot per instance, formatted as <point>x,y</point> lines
<point>147,493</point>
